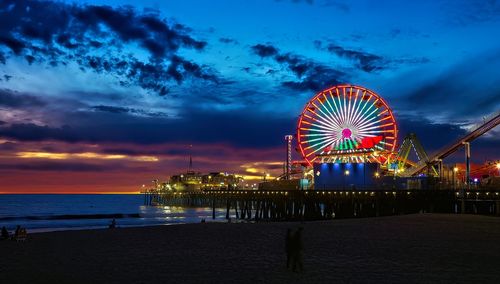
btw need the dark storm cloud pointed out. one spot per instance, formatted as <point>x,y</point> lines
<point>77,32</point>
<point>118,110</point>
<point>112,109</point>
<point>312,76</point>
<point>459,92</point>
<point>204,126</point>
<point>365,61</point>
<point>264,50</point>
<point>13,99</point>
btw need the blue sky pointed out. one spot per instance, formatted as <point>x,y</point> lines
<point>232,75</point>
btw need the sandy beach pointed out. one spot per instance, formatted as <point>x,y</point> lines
<point>400,249</point>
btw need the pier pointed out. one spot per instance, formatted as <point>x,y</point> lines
<point>323,205</point>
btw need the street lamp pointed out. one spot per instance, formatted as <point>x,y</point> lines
<point>455,170</point>
<point>346,173</point>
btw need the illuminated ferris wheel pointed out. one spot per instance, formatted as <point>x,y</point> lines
<point>346,123</point>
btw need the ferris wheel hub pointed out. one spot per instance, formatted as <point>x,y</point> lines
<point>346,133</point>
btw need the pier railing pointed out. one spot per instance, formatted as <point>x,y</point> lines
<point>319,205</point>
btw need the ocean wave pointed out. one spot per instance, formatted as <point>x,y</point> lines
<point>71,217</point>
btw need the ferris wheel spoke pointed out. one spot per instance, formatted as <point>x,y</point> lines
<point>330,128</point>
<point>326,118</point>
<point>348,105</point>
<point>339,104</point>
<point>344,106</point>
<point>316,130</point>
<point>321,124</point>
<point>320,138</point>
<point>322,145</point>
<point>356,109</point>
<point>377,131</point>
<point>366,114</point>
<point>334,112</point>
<point>378,126</point>
<point>362,109</point>
<point>338,108</point>
<point>353,108</point>
<point>370,115</point>
<point>329,107</point>
<point>315,134</point>
<point>370,121</point>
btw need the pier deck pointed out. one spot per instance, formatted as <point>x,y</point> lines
<point>324,205</point>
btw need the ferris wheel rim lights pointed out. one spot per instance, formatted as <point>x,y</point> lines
<point>347,123</point>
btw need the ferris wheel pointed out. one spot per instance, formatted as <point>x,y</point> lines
<point>346,123</point>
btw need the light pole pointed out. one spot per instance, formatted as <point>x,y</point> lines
<point>455,170</point>
<point>346,173</point>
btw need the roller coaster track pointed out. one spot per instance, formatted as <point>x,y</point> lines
<point>450,149</point>
<point>411,142</point>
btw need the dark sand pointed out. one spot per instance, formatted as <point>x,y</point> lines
<point>401,249</point>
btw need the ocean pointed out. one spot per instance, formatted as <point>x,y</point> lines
<point>56,212</point>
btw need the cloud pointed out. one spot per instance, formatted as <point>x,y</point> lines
<point>118,110</point>
<point>264,50</point>
<point>228,40</point>
<point>95,38</point>
<point>312,76</point>
<point>13,99</point>
<point>205,126</point>
<point>460,93</point>
<point>58,166</point>
<point>365,61</point>
<point>466,12</point>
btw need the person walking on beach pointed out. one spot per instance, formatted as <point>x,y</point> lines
<point>113,224</point>
<point>18,230</point>
<point>5,233</point>
<point>288,247</point>
<point>297,246</point>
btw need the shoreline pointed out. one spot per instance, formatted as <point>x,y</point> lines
<point>418,248</point>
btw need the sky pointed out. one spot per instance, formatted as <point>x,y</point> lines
<point>104,96</point>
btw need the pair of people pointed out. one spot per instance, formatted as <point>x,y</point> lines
<point>294,247</point>
<point>19,235</point>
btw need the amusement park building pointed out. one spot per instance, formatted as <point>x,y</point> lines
<point>195,181</point>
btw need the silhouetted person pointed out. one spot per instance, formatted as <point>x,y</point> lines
<point>298,246</point>
<point>5,233</point>
<point>18,230</point>
<point>113,224</point>
<point>289,247</point>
